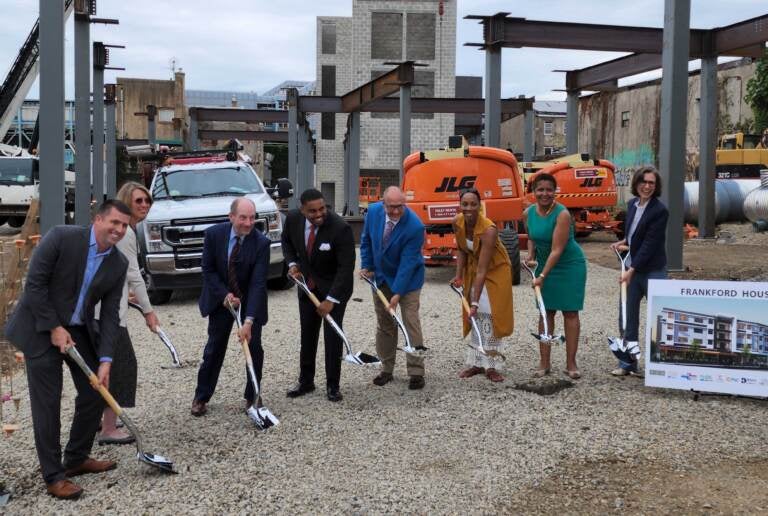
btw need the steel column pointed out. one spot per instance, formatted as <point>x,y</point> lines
<point>82,119</point>
<point>51,114</point>
<point>674,93</point>
<point>98,134</point>
<point>192,138</point>
<point>405,125</point>
<point>111,128</point>
<point>301,160</point>
<point>492,96</point>
<point>707,144</point>
<point>353,185</point>
<point>572,122</point>
<point>293,116</point>
<point>151,124</point>
<point>529,142</point>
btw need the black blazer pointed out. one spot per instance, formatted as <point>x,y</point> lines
<point>54,279</point>
<point>252,267</point>
<point>332,264</point>
<point>647,248</point>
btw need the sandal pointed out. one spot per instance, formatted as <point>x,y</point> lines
<point>471,371</point>
<point>541,373</point>
<point>494,376</point>
<point>573,374</point>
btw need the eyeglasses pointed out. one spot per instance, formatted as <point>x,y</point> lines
<point>394,206</point>
<point>649,183</point>
<point>143,200</point>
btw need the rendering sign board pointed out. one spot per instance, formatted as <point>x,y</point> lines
<point>708,336</point>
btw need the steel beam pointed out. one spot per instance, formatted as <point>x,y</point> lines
<point>239,115</point>
<point>51,114</point>
<point>99,62</point>
<point>82,119</point>
<point>529,142</point>
<point>707,143</point>
<point>380,87</point>
<point>674,93</point>
<point>293,127</point>
<point>740,35</point>
<point>615,69</point>
<point>572,122</point>
<point>405,125</point>
<point>111,129</point>
<point>492,96</point>
<point>248,135</point>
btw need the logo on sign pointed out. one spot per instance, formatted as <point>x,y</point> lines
<point>454,184</point>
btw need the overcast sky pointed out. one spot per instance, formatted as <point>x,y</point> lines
<point>253,45</point>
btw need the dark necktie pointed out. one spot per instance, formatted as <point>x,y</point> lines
<point>232,269</point>
<point>387,233</point>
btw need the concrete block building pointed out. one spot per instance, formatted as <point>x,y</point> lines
<point>352,51</point>
<point>549,130</point>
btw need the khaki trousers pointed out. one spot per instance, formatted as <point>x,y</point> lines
<point>387,331</point>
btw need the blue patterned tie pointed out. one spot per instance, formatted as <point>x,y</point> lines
<point>387,233</point>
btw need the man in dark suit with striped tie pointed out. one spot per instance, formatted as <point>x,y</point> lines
<point>235,266</point>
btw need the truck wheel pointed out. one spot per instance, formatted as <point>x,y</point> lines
<point>160,297</point>
<point>3,220</point>
<point>16,222</point>
<point>511,243</point>
<point>281,283</point>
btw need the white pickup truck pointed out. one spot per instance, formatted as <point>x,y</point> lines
<point>191,194</point>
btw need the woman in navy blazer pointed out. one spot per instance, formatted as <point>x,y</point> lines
<point>646,233</point>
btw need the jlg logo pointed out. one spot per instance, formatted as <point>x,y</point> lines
<point>449,184</point>
<point>592,181</point>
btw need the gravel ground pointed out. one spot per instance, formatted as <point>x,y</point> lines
<point>458,446</point>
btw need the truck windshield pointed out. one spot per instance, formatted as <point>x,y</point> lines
<point>237,180</point>
<point>18,171</point>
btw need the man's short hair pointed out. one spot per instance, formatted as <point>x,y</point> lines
<point>107,206</point>
<point>309,195</point>
<point>236,203</point>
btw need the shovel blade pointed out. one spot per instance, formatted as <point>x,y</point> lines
<point>157,461</point>
<point>363,359</point>
<point>263,418</point>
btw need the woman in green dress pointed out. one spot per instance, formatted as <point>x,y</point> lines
<point>561,272</point>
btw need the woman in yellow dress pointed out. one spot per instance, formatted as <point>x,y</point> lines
<point>484,269</point>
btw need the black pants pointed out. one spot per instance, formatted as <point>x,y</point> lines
<point>219,328</point>
<point>310,331</point>
<point>45,378</point>
<point>124,372</point>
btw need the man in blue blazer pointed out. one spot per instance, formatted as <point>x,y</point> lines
<point>390,250</point>
<point>235,266</point>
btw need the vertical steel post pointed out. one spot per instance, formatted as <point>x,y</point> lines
<point>192,141</point>
<point>151,124</point>
<point>707,144</point>
<point>492,96</point>
<point>572,123</point>
<point>529,142</point>
<point>353,199</point>
<point>51,147</point>
<point>293,117</point>
<point>674,102</point>
<point>405,126</point>
<point>99,61</point>
<point>111,128</point>
<point>82,118</point>
<point>301,159</point>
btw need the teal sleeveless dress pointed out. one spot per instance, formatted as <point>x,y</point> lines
<point>564,285</point>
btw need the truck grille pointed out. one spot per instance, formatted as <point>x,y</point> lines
<point>189,234</point>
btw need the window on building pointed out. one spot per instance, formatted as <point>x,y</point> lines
<point>165,115</point>
<point>625,119</point>
<point>420,36</point>
<point>328,37</point>
<point>328,89</point>
<point>547,128</point>
<point>387,36</point>
<point>548,151</point>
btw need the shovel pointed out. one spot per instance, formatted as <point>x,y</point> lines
<point>262,417</point>
<point>475,327</point>
<point>177,363</point>
<point>157,461</point>
<point>418,352</point>
<point>361,358</point>
<point>628,352</point>
<point>544,338</point>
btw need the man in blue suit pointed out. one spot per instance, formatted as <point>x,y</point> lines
<point>235,266</point>
<point>390,250</point>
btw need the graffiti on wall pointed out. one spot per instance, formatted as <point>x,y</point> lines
<point>627,161</point>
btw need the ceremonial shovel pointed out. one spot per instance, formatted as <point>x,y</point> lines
<point>360,358</point>
<point>157,461</point>
<point>420,351</point>
<point>628,352</point>
<point>177,363</point>
<point>544,338</point>
<point>262,417</point>
<point>475,327</point>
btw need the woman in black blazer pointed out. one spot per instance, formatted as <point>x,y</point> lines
<point>646,233</point>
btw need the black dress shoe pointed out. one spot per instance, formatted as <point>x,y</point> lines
<point>300,390</point>
<point>416,383</point>
<point>334,394</point>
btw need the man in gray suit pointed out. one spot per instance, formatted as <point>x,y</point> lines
<point>72,270</point>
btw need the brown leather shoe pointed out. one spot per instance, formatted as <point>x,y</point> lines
<point>382,379</point>
<point>91,466</point>
<point>198,408</point>
<point>64,489</point>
